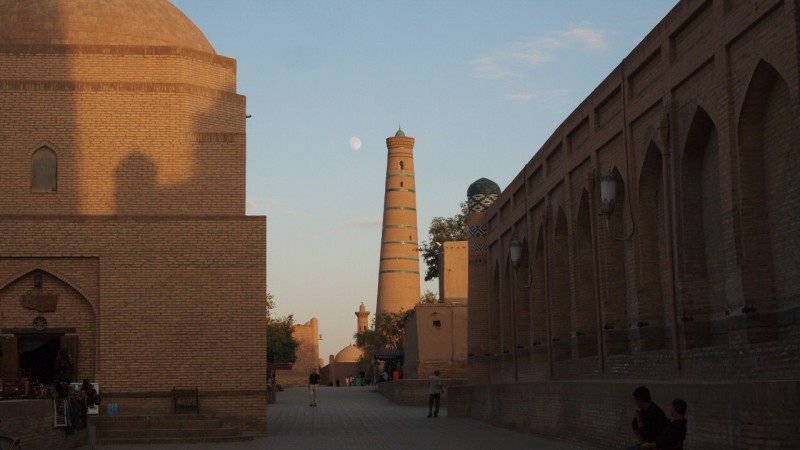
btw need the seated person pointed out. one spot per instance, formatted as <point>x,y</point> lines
<point>649,420</point>
<point>673,435</point>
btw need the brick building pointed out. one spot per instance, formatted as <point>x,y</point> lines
<point>698,126</point>
<point>435,334</point>
<point>307,354</point>
<point>123,235</point>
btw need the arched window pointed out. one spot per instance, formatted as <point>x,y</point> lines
<point>44,169</point>
<point>402,165</point>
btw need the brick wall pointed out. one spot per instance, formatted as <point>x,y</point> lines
<point>696,125</point>
<point>31,421</point>
<point>135,131</point>
<point>598,413</point>
<point>307,355</point>
<point>415,392</point>
<point>150,316</point>
<point>435,339</point>
<point>160,276</point>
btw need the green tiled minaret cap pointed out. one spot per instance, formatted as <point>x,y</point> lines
<point>399,132</point>
<point>483,186</point>
<point>482,194</point>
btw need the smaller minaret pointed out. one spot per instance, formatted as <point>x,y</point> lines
<point>480,196</point>
<point>363,318</point>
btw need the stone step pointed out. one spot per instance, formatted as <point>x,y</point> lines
<point>181,440</point>
<point>154,422</point>
<point>104,433</point>
<point>166,429</point>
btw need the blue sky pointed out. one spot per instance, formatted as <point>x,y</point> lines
<point>481,85</point>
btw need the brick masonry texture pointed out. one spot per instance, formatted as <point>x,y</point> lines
<point>160,276</point>
<point>699,124</point>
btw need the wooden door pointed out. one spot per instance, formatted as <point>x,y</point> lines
<point>9,362</point>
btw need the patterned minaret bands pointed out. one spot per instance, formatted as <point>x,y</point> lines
<point>398,276</point>
<point>363,318</point>
<point>480,196</point>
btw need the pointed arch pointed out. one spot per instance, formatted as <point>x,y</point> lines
<point>560,288</point>
<point>538,304</point>
<point>585,310</point>
<point>494,314</point>
<point>613,274</point>
<point>651,255</point>
<point>50,271</point>
<point>702,271</point>
<point>768,166</point>
<point>44,170</point>
<point>507,318</point>
<point>71,309</point>
<point>522,299</point>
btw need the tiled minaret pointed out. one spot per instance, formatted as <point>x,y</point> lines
<point>398,277</point>
<point>480,196</point>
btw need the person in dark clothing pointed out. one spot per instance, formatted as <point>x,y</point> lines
<point>649,420</point>
<point>674,434</point>
<point>313,382</point>
<point>89,397</point>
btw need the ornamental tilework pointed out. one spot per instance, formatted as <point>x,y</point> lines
<point>480,202</point>
<point>478,248</point>
<point>477,231</point>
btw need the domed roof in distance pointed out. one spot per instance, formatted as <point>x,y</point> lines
<point>98,22</point>
<point>349,354</point>
<point>483,186</point>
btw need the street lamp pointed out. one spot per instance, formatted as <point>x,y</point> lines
<point>515,250</point>
<point>515,253</point>
<point>608,196</point>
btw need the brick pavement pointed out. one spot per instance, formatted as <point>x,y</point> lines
<point>359,418</point>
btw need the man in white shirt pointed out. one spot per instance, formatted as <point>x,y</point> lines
<point>435,390</point>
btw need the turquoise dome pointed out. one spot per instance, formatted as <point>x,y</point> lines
<point>483,186</point>
<point>481,195</point>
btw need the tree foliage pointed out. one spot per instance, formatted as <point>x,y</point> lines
<point>428,297</point>
<point>386,334</point>
<point>281,344</point>
<point>270,304</point>
<point>441,230</point>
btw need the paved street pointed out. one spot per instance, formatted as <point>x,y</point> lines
<point>359,418</point>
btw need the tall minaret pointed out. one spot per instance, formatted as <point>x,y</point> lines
<point>398,277</point>
<point>363,318</point>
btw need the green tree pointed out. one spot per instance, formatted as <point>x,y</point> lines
<point>428,297</point>
<point>441,230</point>
<point>386,334</point>
<point>270,304</point>
<point>281,344</point>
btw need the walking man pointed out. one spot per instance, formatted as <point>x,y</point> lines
<point>434,393</point>
<point>313,382</point>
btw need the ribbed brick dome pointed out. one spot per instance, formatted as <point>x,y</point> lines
<point>98,22</point>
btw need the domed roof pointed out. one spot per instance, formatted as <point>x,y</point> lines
<point>349,354</point>
<point>98,22</point>
<point>483,186</point>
